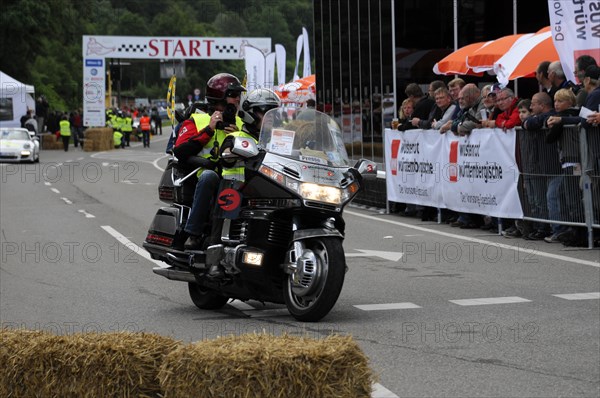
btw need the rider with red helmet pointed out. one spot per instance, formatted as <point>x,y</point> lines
<point>200,136</point>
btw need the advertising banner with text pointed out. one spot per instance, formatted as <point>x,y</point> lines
<point>413,173</point>
<point>474,174</point>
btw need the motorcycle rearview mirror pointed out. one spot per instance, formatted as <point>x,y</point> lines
<point>244,147</point>
<point>367,168</point>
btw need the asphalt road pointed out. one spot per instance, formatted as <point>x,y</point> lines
<point>440,312</point>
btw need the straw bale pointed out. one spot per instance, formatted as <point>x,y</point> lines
<point>254,366</point>
<point>99,138</point>
<point>88,145</point>
<point>11,342</point>
<point>49,141</point>
<point>84,365</point>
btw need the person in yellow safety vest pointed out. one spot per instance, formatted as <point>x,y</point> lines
<point>118,139</point>
<point>119,121</point>
<point>109,117</point>
<point>145,126</point>
<point>127,128</point>
<point>257,103</point>
<point>200,136</point>
<point>112,121</point>
<point>65,131</point>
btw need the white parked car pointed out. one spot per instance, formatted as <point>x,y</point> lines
<point>18,145</point>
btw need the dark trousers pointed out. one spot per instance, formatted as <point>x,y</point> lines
<point>65,140</point>
<point>146,138</point>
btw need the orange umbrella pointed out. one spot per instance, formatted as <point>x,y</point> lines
<point>456,63</point>
<point>523,59</point>
<point>299,90</point>
<point>483,59</point>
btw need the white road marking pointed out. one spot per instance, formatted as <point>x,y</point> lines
<point>380,391</point>
<point>240,305</point>
<point>54,190</point>
<point>155,162</point>
<point>388,237</point>
<point>130,245</point>
<point>390,256</point>
<point>490,300</point>
<point>389,306</point>
<point>253,312</point>
<point>87,215</point>
<point>579,296</point>
<point>266,313</point>
<point>46,183</point>
<point>67,201</point>
<point>105,164</point>
<point>482,241</point>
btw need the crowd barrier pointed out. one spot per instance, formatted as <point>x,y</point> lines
<point>514,174</point>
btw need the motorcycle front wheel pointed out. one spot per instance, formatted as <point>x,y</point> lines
<point>313,289</point>
<point>206,299</point>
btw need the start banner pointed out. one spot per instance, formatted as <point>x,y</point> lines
<point>474,174</point>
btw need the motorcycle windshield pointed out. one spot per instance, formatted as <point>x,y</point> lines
<point>312,137</point>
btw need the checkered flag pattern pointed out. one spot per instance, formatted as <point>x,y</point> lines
<point>227,49</point>
<point>133,48</point>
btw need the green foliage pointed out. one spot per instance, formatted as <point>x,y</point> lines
<point>42,40</point>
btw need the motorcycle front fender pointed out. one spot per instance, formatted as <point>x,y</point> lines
<point>302,234</point>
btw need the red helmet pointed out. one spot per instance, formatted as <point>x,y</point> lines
<point>220,85</point>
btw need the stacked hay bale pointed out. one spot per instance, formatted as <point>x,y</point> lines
<point>267,366</point>
<point>49,141</point>
<point>39,364</point>
<point>98,139</point>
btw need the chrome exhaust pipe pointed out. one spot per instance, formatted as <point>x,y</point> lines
<point>175,274</point>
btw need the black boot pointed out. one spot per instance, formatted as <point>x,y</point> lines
<point>193,243</point>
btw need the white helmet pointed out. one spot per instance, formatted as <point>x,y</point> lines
<point>261,99</point>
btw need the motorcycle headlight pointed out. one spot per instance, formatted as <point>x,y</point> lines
<point>320,193</point>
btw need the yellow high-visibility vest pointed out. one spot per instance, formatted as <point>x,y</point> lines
<point>237,171</point>
<point>65,128</point>
<point>126,126</point>
<point>201,120</point>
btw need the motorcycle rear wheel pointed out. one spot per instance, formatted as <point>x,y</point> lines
<point>331,265</point>
<point>206,299</point>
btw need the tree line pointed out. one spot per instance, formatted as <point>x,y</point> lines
<point>41,41</point>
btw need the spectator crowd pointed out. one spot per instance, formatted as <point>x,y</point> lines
<point>548,148</point>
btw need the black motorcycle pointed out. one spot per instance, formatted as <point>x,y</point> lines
<point>278,234</point>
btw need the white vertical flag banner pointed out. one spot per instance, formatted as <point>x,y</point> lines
<point>281,56</point>
<point>255,68</point>
<point>94,69</point>
<point>575,27</point>
<point>270,70</point>
<point>307,69</point>
<point>299,46</point>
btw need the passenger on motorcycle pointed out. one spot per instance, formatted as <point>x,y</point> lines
<point>257,103</point>
<point>199,140</point>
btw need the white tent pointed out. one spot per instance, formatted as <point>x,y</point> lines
<point>15,99</point>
